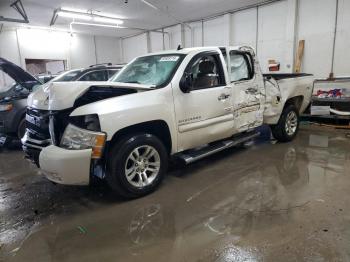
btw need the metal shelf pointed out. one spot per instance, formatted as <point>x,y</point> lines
<point>332,100</point>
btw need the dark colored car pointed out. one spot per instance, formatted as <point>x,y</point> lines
<point>37,121</point>
<point>13,101</point>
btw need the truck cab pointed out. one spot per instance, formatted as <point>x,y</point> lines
<point>186,103</point>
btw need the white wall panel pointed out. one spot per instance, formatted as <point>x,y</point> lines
<point>156,41</point>
<point>272,35</point>
<point>9,51</point>
<point>43,44</point>
<point>193,36</point>
<point>78,50</point>
<point>342,55</point>
<point>134,46</point>
<point>216,31</point>
<point>243,27</point>
<point>107,49</point>
<point>173,38</point>
<point>8,46</point>
<point>316,26</point>
<point>82,51</point>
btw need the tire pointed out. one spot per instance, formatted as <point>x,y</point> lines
<point>287,126</point>
<point>21,128</point>
<point>123,158</point>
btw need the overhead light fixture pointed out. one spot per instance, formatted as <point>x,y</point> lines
<point>99,25</point>
<point>74,15</point>
<point>85,15</point>
<point>107,20</point>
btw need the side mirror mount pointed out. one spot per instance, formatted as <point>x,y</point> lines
<point>186,82</point>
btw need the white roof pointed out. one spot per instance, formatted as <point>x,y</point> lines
<point>192,49</point>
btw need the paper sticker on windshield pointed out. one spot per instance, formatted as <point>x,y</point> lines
<point>169,59</point>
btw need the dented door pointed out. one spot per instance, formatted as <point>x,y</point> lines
<point>247,89</point>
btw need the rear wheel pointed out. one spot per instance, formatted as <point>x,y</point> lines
<point>288,125</point>
<point>136,165</point>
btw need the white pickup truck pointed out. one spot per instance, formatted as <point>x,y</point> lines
<point>187,104</point>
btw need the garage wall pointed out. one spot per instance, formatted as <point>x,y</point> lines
<point>217,31</point>
<point>243,27</point>
<point>273,29</point>
<point>280,26</point>
<point>108,49</point>
<point>173,37</point>
<point>316,26</point>
<point>156,41</point>
<point>272,35</point>
<point>134,46</point>
<point>78,50</point>
<point>342,55</point>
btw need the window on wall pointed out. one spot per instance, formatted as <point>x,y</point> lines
<point>45,66</point>
<point>241,67</point>
<point>207,72</point>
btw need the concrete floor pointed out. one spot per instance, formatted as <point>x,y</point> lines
<point>268,202</point>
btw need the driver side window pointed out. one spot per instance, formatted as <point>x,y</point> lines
<point>206,72</point>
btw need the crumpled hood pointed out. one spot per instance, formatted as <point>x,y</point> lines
<point>63,95</point>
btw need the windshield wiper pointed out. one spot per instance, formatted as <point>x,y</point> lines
<point>132,82</point>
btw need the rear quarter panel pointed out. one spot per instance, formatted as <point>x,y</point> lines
<point>288,88</point>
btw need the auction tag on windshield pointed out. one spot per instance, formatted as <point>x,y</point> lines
<point>169,59</point>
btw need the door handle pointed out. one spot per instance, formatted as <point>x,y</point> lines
<point>223,97</point>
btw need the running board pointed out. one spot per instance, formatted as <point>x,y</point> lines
<point>196,154</point>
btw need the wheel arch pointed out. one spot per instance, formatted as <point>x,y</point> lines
<point>158,128</point>
<point>296,101</point>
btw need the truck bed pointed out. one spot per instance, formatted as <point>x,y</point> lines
<point>286,76</point>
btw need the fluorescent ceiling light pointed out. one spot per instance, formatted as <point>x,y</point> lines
<point>108,20</point>
<point>89,17</point>
<point>100,25</point>
<point>74,15</point>
<point>74,10</point>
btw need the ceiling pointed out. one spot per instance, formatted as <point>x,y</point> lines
<point>135,13</point>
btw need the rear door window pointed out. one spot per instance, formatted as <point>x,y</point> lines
<point>240,68</point>
<point>112,72</point>
<point>98,75</point>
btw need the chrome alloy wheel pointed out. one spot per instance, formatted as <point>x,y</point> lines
<point>291,123</point>
<point>142,166</point>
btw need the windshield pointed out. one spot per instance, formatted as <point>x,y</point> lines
<point>66,76</point>
<point>155,70</point>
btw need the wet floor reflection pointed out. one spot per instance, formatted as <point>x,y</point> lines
<point>268,202</point>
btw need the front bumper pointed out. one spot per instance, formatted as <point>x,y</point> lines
<point>68,167</point>
<point>32,147</point>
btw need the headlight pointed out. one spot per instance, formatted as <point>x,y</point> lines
<point>76,138</point>
<point>6,107</point>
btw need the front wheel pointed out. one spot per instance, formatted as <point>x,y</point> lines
<point>287,126</point>
<point>21,128</point>
<point>136,165</point>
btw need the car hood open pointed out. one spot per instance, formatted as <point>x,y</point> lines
<point>21,77</point>
<point>17,73</point>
